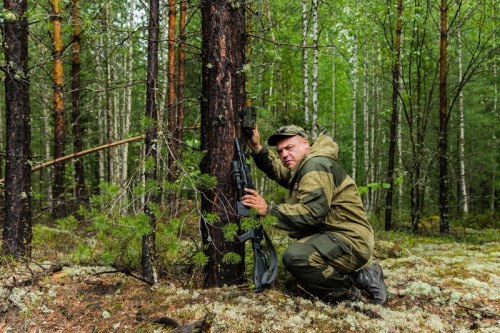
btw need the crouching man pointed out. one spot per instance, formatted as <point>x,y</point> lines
<point>324,212</point>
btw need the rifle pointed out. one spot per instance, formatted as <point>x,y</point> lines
<point>264,254</point>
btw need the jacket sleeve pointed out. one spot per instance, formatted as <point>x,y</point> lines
<point>271,165</point>
<point>311,200</point>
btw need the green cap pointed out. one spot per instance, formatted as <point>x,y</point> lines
<point>286,131</point>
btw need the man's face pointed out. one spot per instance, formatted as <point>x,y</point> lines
<point>291,150</point>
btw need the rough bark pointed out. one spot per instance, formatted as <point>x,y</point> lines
<point>461,135</point>
<point>59,209</point>
<point>354,104</point>
<point>149,240</point>
<point>394,119</point>
<point>17,227</point>
<point>75,102</point>
<point>314,117</point>
<point>223,95</point>
<point>305,64</point>
<point>171,92</point>
<point>443,122</point>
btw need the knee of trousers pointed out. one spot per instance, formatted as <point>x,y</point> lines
<point>297,255</point>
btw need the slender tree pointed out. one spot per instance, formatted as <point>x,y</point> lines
<point>58,100</point>
<point>75,100</point>
<point>17,226</point>
<point>223,95</point>
<point>305,62</point>
<point>315,40</point>
<point>149,240</point>
<point>354,104</point>
<point>443,121</point>
<point>461,125</point>
<point>172,84</point>
<point>394,118</point>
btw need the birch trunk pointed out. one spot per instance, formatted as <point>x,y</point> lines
<point>354,98</point>
<point>461,138</point>
<point>315,69</point>
<point>334,110</point>
<point>495,139</point>
<point>128,92</point>
<point>305,65</point>
<point>366,128</point>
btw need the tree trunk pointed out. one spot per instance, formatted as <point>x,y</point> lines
<point>334,100</point>
<point>59,209</point>
<point>149,240</point>
<point>461,136</point>
<point>366,129</point>
<point>172,97</point>
<point>223,96</point>
<point>75,102</point>
<point>182,72</point>
<point>128,93</point>
<point>493,196</point>
<point>17,227</point>
<point>443,122</point>
<point>354,104</point>
<point>305,64</point>
<point>394,120</point>
<point>315,69</point>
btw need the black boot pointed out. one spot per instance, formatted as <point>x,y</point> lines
<point>371,280</point>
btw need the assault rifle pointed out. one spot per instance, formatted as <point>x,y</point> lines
<point>264,254</point>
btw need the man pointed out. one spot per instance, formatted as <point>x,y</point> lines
<point>324,212</point>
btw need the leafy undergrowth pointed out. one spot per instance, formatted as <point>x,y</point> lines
<point>435,286</point>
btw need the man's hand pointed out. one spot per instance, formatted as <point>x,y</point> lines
<point>253,199</point>
<point>254,140</point>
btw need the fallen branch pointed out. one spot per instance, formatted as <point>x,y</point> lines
<point>484,312</point>
<point>81,153</point>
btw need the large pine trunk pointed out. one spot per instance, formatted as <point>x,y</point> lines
<point>59,209</point>
<point>17,231</point>
<point>223,95</point>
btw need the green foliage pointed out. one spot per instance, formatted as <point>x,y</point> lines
<point>69,224</point>
<point>211,218</point>
<point>230,231</point>
<point>363,190</point>
<point>231,258</point>
<point>200,259</point>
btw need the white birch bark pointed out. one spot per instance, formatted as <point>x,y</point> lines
<point>354,97</point>
<point>305,66</point>
<point>495,117</point>
<point>461,138</point>
<point>366,127</point>
<point>128,94</point>
<point>399,139</point>
<point>315,69</point>
<point>334,110</point>
<point>101,117</point>
<point>47,129</point>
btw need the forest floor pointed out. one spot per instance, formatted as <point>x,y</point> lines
<point>434,285</point>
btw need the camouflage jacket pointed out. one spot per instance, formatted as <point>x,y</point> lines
<point>322,197</point>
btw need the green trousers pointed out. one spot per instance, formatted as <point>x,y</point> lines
<point>322,264</point>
